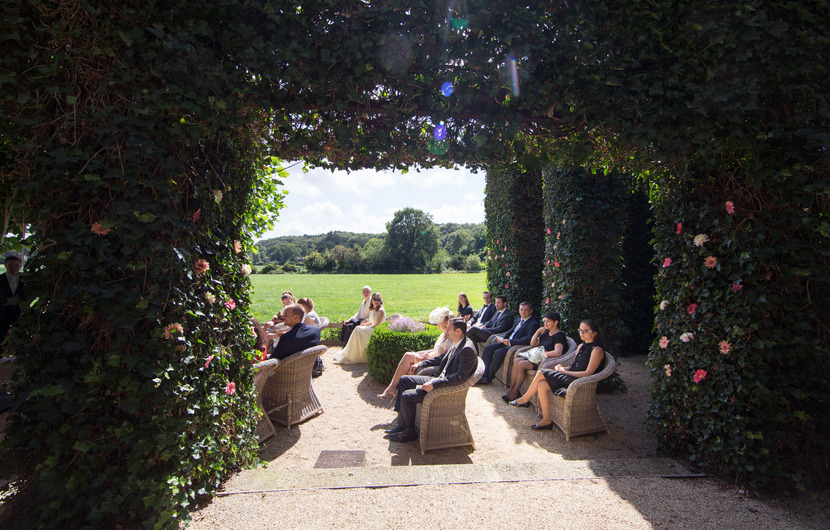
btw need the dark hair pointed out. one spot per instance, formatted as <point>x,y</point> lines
<point>306,302</point>
<point>372,301</point>
<point>486,293</point>
<point>261,340</point>
<point>460,307</point>
<point>527,304</point>
<point>12,257</point>
<point>594,327</point>
<point>502,298</point>
<point>553,316</point>
<point>458,323</point>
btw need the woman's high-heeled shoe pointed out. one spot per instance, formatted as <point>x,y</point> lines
<point>386,394</point>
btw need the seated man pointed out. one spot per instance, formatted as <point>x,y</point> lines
<point>300,337</point>
<point>501,322</point>
<point>361,315</point>
<point>451,368</point>
<point>483,316</point>
<point>520,335</point>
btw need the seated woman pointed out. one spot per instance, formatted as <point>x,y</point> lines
<point>263,339</point>
<point>551,338</point>
<point>355,350</point>
<point>311,317</point>
<point>465,310</point>
<point>409,361</point>
<point>590,358</point>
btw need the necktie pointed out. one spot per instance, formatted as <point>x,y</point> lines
<point>449,358</point>
<point>516,330</point>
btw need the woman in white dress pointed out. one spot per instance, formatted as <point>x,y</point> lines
<point>409,361</point>
<point>355,350</point>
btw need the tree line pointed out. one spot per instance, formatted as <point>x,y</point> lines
<point>412,243</point>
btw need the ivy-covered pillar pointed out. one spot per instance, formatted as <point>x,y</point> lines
<point>137,159</point>
<point>740,365</point>
<point>584,223</point>
<point>513,219</point>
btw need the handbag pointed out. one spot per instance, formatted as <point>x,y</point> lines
<point>535,355</point>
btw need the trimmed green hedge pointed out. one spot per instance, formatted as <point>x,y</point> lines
<point>386,348</point>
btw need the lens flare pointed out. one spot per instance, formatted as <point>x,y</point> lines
<point>440,132</point>
<point>447,89</point>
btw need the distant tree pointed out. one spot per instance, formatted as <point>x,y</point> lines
<point>373,255</point>
<point>472,263</point>
<point>412,240</point>
<point>316,262</point>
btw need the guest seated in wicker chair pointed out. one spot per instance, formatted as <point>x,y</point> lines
<point>299,337</point>
<point>311,317</point>
<point>589,359</point>
<point>410,363</point>
<point>548,341</point>
<point>263,339</point>
<point>355,349</point>
<point>465,310</point>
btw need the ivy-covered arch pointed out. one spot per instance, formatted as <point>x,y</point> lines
<point>120,125</point>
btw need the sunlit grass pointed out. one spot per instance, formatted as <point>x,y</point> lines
<point>337,296</point>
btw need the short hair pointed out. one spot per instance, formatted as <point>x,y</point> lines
<point>553,316</point>
<point>296,310</point>
<point>366,288</point>
<point>486,293</point>
<point>527,304</point>
<point>502,298</point>
<point>307,303</point>
<point>458,323</point>
<point>10,257</point>
<point>286,295</point>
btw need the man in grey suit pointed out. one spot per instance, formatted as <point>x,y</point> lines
<point>451,368</point>
<point>501,322</point>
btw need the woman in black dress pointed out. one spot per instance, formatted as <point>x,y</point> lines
<point>589,359</point>
<point>551,338</point>
<point>465,310</point>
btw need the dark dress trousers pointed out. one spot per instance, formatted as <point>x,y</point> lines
<point>9,304</point>
<point>494,354</point>
<point>299,338</point>
<point>460,364</point>
<point>484,315</point>
<point>498,324</point>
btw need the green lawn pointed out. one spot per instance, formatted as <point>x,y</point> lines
<point>337,296</point>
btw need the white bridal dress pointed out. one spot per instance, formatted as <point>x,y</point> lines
<point>355,350</point>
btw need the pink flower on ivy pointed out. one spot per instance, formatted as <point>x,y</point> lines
<point>692,308</point>
<point>98,229</point>
<point>505,249</point>
<point>664,342</point>
<point>548,263</point>
<point>197,215</point>
<point>547,300</point>
<point>730,207</point>
<point>699,376</point>
<point>209,359</point>
<point>173,328</point>
<point>230,304</point>
<point>724,347</point>
<point>548,230</point>
<point>230,389</point>
<point>666,262</point>
<point>544,273</point>
<point>488,252</point>
<point>679,227</point>
<point>736,287</point>
<point>667,368</point>
<point>556,264</point>
<point>710,262</point>
<point>700,239</point>
<point>507,286</point>
<point>508,274</point>
<point>498,242</point>
<point>201,266</point>
<point>237,246</point>
<point>687,337</point>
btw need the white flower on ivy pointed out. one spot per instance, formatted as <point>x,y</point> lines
<point>688,336</point>
<point>663,305</point>
<point>700,239</point>
<point>210,297</point>
<point>217,196</point>
<point>246,269</point>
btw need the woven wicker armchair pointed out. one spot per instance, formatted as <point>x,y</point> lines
<point>442,420</point>
<point>490,340</point>
<point>262,371</point>
<point>549,363</point>
<point>504,372</point>
<point>578,412</point>
<point>288,396</point>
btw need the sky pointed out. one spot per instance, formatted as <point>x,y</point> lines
<point>363,201</point>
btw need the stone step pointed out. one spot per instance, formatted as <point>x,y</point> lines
<point>382,477</point>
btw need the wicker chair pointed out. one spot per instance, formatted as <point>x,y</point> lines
<point>504,373</point>
<point>288,396</point>
<point>262,371</point>
<point>577,413</point>
<point>441,419</point>
<point>490,340</point>
<point>566,357</point>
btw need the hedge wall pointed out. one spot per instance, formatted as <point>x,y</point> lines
<point>386,347</point>
<point>740,369</point>
<point>513,210</point>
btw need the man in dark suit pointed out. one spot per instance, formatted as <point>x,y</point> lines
<point>300,337</point>
<point>448,369</point>
<point>502,321</point>
<point>520,335</point>
<point>486,313</point>
<point>12,292</point>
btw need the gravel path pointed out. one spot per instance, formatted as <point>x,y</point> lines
<point>354,419</point>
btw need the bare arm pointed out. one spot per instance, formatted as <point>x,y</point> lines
<point>596,357</point>
<point>534,340</point>
<point>557,351</point>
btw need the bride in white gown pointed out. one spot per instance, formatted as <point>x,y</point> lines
<point>355,349</point>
